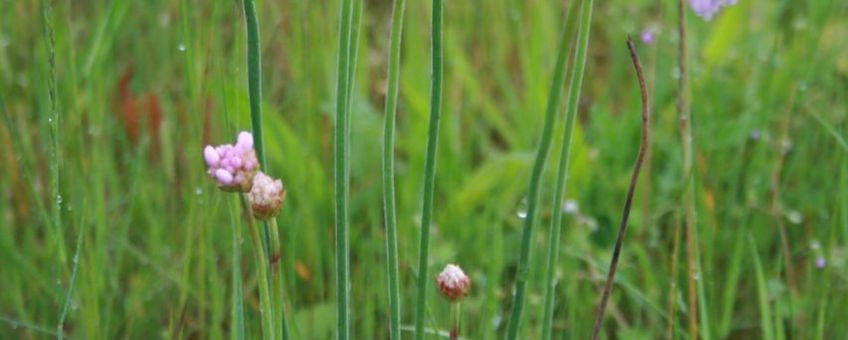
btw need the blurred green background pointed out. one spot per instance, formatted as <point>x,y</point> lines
<point>143,85</point>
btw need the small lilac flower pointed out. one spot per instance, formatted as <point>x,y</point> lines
<point>647,37</point>
<point>453,283</point>
<point>708,8</point>
<point>232,166</point>
<point>820,262</point>
<point>266,196</point>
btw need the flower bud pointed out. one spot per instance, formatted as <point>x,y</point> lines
<point>266,196</point>
<point>453,283</point>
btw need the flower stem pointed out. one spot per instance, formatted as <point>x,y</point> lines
<point>266,305</point>
<point>562,174</point>
<point>277,282</point>
<point>340,139</point>
<point>389,168</point>
<point>523,272</point>
<point>622,227</point>
<point>430,168</point>
<point>456,309</point>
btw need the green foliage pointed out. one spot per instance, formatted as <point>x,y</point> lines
<point>155,255</point>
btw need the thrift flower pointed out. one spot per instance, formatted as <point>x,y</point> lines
<point>821,262</point>
<point>647,37</point>
<point>453,282</point>
<point>232,166</point>
<point>708,8</point>
<point>266,196</point>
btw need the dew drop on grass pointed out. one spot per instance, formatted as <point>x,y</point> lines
<point>181,47</point>
<point>198,191</point>
<point>59,200</point>
<point>570,207</point>
<point>696,276</point>
<point>521,210</point>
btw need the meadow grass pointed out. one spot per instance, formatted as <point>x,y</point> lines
<point>152,249</point>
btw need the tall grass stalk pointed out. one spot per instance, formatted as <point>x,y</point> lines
<point>684,124</point>
<point>562,168</point>
<point>254,80</point>
<point>340,140</point>
<point>622,227</point>
<point>430,167</point>
<point>523,272</point>
<point>393,75</point>
<point>53,123</point>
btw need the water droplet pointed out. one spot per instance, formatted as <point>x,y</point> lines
<point>198,191</point>
<point>50,120</point>
<point>570,207</point>
<point>181,47</point>
<point>59,200</point>
<point>696,276</point>
<point>815,245</point>
<point>521,211</point>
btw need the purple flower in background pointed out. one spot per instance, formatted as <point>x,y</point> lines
<point>820,262</point>
<point>708,8</point>
<point>232,166</point>
<point>647,37</point>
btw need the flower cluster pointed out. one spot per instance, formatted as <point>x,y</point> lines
<point>232,166</point>
<point>453,283</point>
<point>236,169</point>
<point>709,8</point>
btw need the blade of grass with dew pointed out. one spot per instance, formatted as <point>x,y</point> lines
<point>340,138</point>
<point>430,167</point>
<point>53,121</point>
<point>389,206</point>
<point>523,271</point>
<point>562,169</point>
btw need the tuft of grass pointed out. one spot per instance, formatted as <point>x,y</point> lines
<point>523,272</point>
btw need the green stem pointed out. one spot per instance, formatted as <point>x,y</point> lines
<point>238,298</point>
<point>542,156</point>
<point>389,168</point>
<point>254,80</point>
<point>562,175</point>
<point>340,139</point>
<point>430,169</point>
<point>277,282</point>
<point>266,305</point>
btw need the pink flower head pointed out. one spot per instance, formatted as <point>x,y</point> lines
<point>453,283</point>
<point>232,166</point>
<point>708,8</point>
<point>266,196</point>
<point>647,36</point>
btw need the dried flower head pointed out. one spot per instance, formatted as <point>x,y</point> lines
<point>709,8</point>
<point>266,196</point>
<point>453,282</point>
<point>232,166</point>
